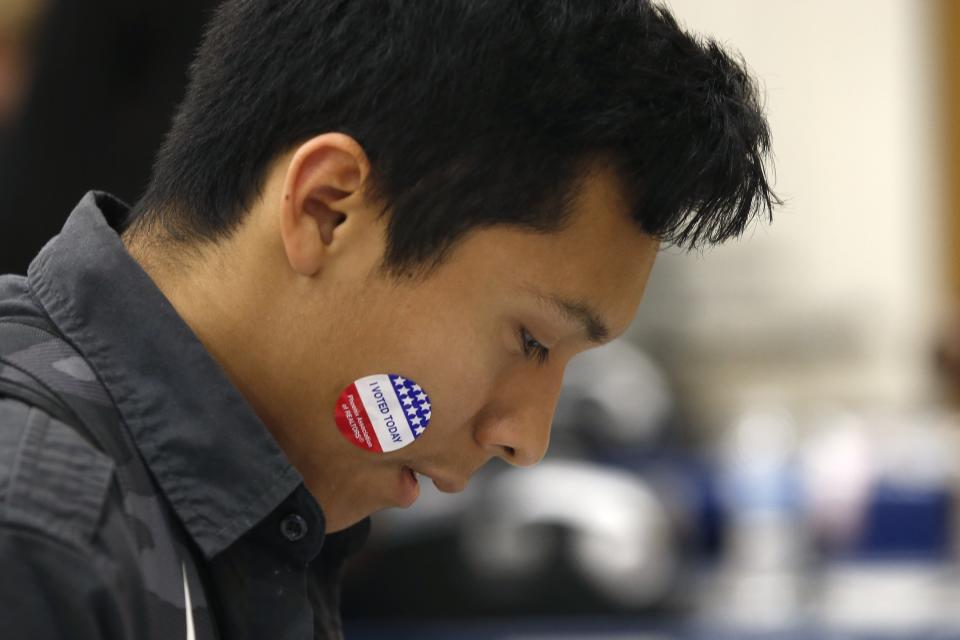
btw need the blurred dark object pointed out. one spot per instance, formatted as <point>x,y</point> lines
<point>572,537</point>
<point>107,75</point>
<point>565,538</point>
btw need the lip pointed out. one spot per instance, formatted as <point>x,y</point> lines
<point>408,488</point>
<point>444,483</point>
<point>449,487</point>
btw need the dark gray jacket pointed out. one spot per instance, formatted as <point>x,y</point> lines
<point>151,501</point>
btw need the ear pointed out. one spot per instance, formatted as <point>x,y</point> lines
<point>321,190</point>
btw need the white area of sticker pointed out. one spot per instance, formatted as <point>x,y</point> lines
<point>386,412</point>
<point>383,413</point>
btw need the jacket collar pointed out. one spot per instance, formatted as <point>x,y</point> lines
<point>211,455</point>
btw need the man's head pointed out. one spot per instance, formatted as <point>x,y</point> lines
<point>441,189</point>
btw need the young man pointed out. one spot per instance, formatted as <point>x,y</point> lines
<point>376,234</point>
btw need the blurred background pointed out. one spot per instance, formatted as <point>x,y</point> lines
<point>772,452</point>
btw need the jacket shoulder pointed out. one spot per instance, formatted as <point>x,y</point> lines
<point>51,478</point>
<point>15,298</point>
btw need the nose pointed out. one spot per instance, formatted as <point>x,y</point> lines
<point>516,424</point>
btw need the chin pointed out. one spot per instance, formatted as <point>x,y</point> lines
<point>365,496</point>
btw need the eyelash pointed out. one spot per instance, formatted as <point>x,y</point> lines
<point>532,349</point>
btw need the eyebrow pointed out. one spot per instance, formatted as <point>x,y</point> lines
<point>593,325</point>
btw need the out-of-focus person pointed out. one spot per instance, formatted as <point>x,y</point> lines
<point>17,19</point>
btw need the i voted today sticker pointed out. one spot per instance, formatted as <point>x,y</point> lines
<point>383,413</point>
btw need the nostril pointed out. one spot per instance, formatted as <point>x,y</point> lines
<point>511,452</point>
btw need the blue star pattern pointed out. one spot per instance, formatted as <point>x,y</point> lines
<point>415,403</point>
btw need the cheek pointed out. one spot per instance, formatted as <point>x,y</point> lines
<point>451,349</point>
<point>459,376</point>
<point>458,385</point>
<point>456,402</point>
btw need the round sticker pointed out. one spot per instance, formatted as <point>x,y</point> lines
<point>383,413</point>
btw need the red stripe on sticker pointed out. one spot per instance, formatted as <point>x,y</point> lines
<point>354,423</point>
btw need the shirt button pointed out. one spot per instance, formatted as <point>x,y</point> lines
<point>293,527</point>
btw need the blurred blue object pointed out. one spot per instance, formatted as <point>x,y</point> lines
<point>904,522</point>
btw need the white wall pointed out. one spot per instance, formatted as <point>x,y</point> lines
<point>839,299</point>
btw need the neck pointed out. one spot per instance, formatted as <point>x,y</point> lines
<point>228,304</point>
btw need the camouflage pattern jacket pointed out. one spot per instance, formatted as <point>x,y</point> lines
<point>140,495</point>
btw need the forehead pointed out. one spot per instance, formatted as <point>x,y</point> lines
<point>602,253</point>
<point>600,257</point>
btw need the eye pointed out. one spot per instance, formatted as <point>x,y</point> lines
<point>532,349</point>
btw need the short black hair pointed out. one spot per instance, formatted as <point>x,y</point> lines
<point>473,113</point>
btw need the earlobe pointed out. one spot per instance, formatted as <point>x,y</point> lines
<point>322,182</point>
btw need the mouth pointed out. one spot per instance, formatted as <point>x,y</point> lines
<point>409,485</point>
